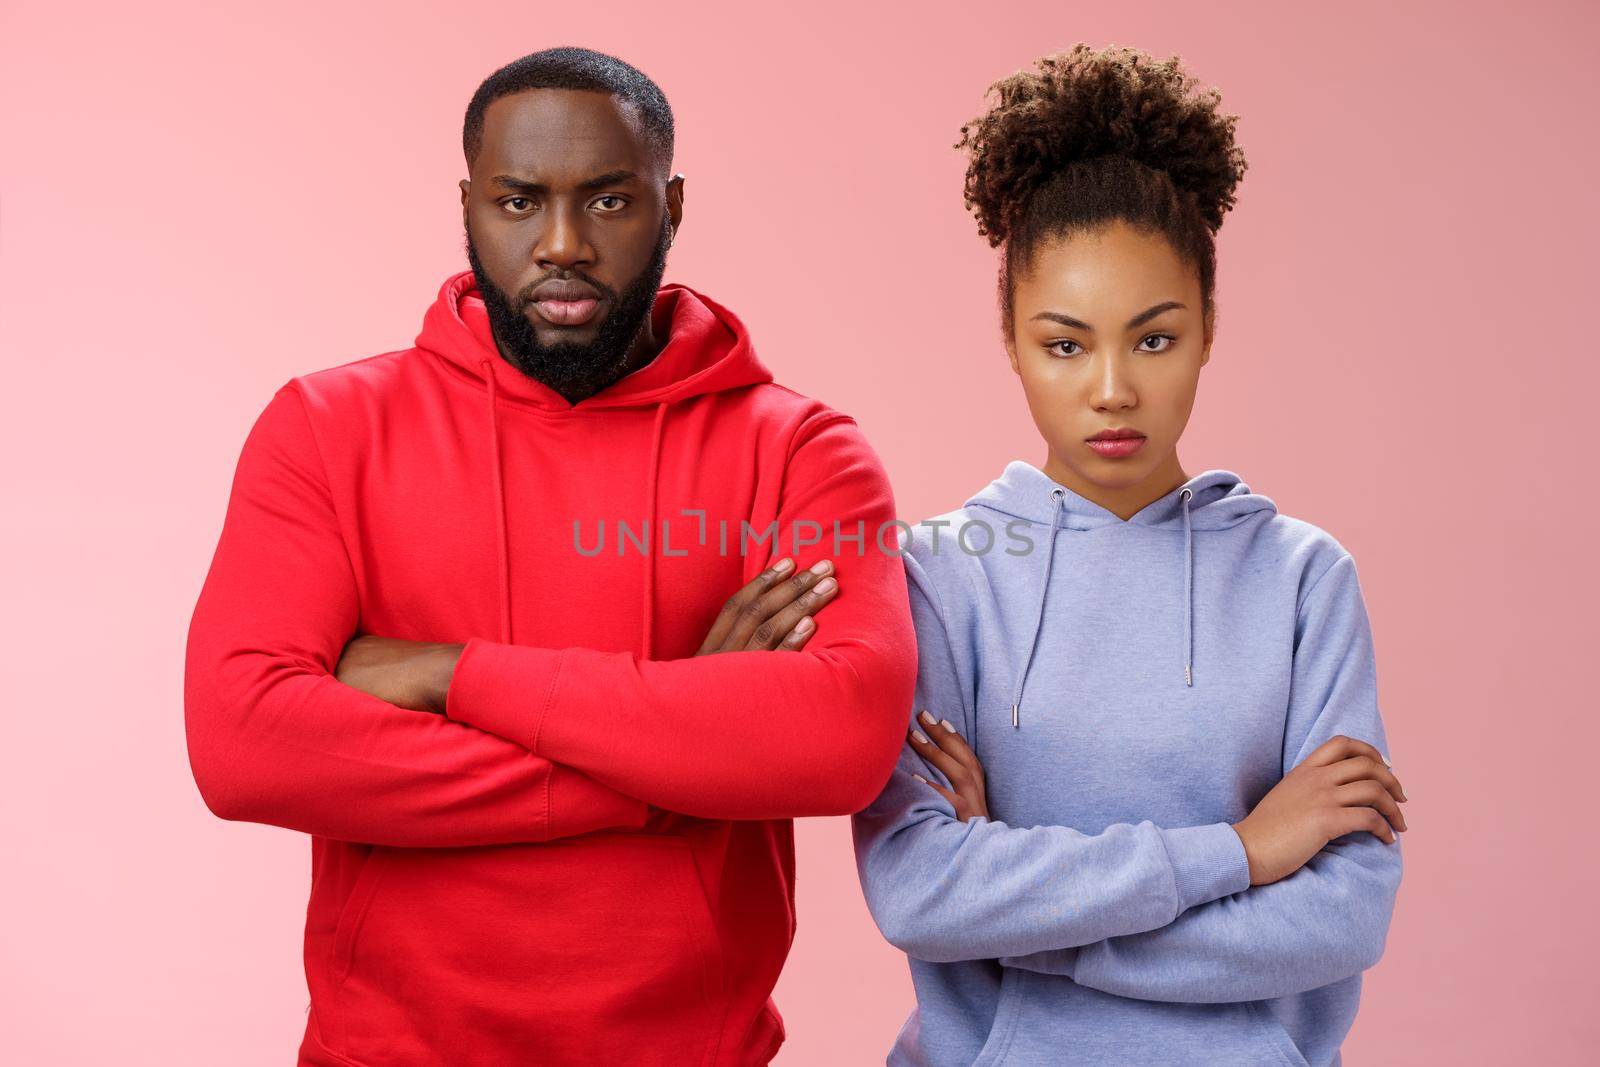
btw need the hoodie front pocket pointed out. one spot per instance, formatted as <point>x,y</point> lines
<point>1051,1019</point>
<point>600,948</point>
<point>355,910</point>
<point>1007,1011</point>
<point>1292,1056</point>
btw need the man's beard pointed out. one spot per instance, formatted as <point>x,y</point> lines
<point>573,369</point>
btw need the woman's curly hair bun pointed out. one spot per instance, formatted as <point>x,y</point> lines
<point>1082,104</point>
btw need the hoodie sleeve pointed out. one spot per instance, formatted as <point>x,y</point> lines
<point>943,890</point>
<point>736,735</point>
<point>274,738</point>
<point>1325,922</point>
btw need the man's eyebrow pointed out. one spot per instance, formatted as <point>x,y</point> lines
<point>1138,320</point>
<point>599,181</point>
<point>610,177</point>
<point>518,184</point>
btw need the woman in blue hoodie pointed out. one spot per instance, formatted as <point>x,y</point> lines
<point>1144,813</point>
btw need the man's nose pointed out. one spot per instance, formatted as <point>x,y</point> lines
<point>564,243</point>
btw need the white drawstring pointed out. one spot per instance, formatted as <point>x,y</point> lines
<point>1038,619</point>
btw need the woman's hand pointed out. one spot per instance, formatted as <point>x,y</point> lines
<point>1342,787</point>
<point>772,611</point>
<point>943,747</point>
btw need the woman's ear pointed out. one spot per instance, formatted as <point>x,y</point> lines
<point>1009,334</point>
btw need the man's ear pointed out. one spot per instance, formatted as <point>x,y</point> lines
<point>675,202</point>
<point>466,191</point>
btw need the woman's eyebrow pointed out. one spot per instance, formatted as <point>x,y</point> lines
<point>1138,320</point>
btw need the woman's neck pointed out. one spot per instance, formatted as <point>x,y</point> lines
<point>1122,501</point>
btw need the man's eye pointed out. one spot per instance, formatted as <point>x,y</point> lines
<point>515,200</point>
<point>610,203</point>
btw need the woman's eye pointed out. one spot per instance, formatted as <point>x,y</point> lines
<point>1056,347</point>
<point>1167,342</point>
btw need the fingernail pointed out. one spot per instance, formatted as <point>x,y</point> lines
<point>804,625</point>
<point>822,567</point>
<point>921,737</point>
<point>946,724</point>
<point>783,566</point>
<point>921,779</point>
<point>827,585</point>
<point>929,719</point>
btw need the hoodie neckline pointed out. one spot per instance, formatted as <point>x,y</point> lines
<point>1217,499</point>
<point>1212,500</point>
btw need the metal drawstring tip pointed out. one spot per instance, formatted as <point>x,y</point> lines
<point>1014,721</point>
<point>1188,676</point>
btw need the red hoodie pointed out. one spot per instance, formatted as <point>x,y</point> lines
<point>590,858</point>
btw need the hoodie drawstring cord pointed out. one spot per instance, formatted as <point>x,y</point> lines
<point>502,556</point>
<point>1038,620</point>
<point>497,477</point>
<point>650,531</point>
<point>1188,590</point>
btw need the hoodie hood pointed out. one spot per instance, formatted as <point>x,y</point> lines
<point>1216,500</point>
<point>1213,500</point>
<point>705,349</point>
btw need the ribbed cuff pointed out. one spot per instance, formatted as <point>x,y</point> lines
<point>503,689</point>
<point>1209,863</point>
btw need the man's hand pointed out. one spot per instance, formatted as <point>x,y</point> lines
<point>947,750</point>
<point>773,611</point>
<point>408,674</point>
<point>1343,787</point>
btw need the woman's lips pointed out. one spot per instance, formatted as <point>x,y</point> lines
<point>567,312</point>
<point>1116,447</point>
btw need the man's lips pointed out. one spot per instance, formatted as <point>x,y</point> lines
<point>565,303</point>
<point>566,312</point>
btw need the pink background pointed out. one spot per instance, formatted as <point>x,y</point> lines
<point>201,200</point>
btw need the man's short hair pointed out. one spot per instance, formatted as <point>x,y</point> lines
<point>572,68</point>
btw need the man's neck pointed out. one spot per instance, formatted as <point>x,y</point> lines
<point>646,346</point>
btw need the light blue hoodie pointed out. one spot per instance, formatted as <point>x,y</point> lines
<point>1132,688</point>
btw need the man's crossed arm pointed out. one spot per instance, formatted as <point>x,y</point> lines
<point>538,743</point>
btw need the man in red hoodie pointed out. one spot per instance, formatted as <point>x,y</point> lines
<point>455,627</point>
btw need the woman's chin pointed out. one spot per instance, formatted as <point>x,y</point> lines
<point>1112,474</point>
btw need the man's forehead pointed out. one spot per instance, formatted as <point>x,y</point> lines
<point>568,132</point>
